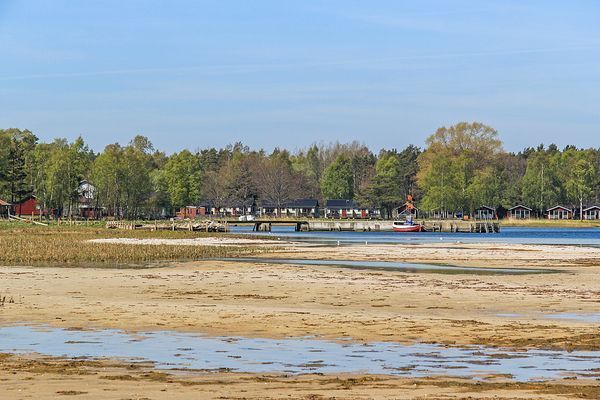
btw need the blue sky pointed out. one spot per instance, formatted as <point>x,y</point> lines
<point>192,74</point>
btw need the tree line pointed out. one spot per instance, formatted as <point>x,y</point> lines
<point>462,167</point>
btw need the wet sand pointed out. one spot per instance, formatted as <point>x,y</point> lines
<point>238,299</point>
<point>26,377</point>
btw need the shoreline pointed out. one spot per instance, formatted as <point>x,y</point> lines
<point>261,300</point>
<point>258,300</point>
<point>109,379</point>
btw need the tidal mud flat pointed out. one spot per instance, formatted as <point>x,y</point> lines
<point>324,302</point>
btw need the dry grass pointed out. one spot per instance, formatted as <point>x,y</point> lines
<point>22,244</point>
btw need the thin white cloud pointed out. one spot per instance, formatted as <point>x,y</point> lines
<point>377,63</point>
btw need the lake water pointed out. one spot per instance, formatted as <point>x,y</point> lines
<point>564,236</point>
<point>170,350</point>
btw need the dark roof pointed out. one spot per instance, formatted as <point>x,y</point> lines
<point>340,204</point>
<point>24,199</point>
<point>555,207</point>
<point>485,207</point>
<point>302,203</point>
<point>268,204</point>
<point>591,207</point>
<point>519,206</point>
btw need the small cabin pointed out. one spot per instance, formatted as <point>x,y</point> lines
<point>27,206</point>
<point>559,212</point>
<point>191,212</point>
<point>484,212</point>
<point>302,208</point>
<point>592,212</point>
<point>269,209</point>
<point>345,208</point>
<point>519,212</point>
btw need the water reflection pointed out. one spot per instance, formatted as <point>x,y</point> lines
<point>170,350</point>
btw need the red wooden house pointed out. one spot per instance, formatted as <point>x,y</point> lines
<point>27,206</point>
<point>191,212</point>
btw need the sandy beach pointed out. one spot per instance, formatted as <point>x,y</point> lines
<point>228,298</point>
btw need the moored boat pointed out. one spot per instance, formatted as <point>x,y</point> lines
<point>402,226</point>
<point>408,225</point>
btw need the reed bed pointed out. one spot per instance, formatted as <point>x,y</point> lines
<point>26,245</point>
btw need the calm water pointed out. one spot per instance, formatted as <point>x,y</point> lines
<point>566,236</point>
<point>395,266</point>
<point>583,317</point>
<point>169,350</point>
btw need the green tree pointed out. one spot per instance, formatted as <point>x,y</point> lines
<point>107,177</point>
<point>181,179</point>
<point>452,159</point>
<point>338,180</point>
<point>386,189</point>
<point>64,167</point>
<point>580,173</point>
<point>15,177</point>
<point>541,184</point>
<point>135,168</point>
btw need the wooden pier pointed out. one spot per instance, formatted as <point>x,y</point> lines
<point>450,226</point>
<point>310,225</point>
<point>182,225</point>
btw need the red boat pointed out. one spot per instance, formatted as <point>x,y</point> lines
<point>408,225</point>
<point>401,226</point>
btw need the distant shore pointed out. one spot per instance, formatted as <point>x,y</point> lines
<point>186,289</point>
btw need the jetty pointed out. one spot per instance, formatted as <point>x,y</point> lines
<point>175,225</point>
<point>308,225</point>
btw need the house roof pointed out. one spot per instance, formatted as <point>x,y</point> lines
<point>486,207</point>
<point>303,203</point>
<point>595,206</point>
<point>4,203</point>
<point>557,207</point>
<point>519,206</point>
<point>340,204</point>
<point>24,199</point>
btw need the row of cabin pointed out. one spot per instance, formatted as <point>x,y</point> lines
<point>305,208</point>
<point>559,212</point>
<point>341,209</point>
<point>520,211</point>
<point>590,212</point>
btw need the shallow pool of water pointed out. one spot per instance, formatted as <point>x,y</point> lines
<point>395,266</point>
<point>170,350</point>
<point>584,317</point>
